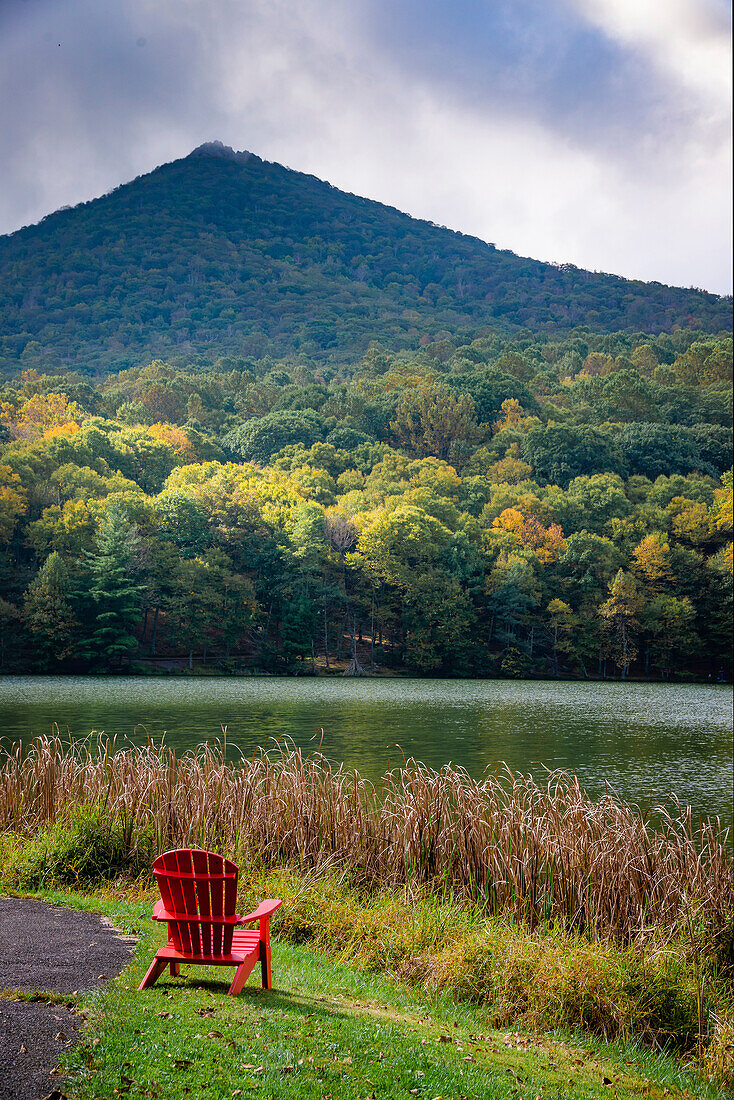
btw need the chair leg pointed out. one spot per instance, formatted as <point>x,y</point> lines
<point>265,964</point>
<point>241,975</point>
<point>155,969</point>
<point>174,968</point>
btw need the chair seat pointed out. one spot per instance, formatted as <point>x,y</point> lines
<point>245,943</point>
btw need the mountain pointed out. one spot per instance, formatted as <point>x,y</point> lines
<point>223,253</point>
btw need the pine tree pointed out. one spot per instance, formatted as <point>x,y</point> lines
<point>48,615</point>
<point>114,592</point>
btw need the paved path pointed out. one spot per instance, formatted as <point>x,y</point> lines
<point>54,949</point>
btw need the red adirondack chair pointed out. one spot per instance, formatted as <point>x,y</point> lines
<point>198,898</point>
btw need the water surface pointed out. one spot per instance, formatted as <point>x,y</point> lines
<point>645,740</point>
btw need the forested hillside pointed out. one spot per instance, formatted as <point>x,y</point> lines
<point>223,253</point>
<point>505,506</point>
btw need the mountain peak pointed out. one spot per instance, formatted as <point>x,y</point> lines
<point>220,151</point>
<point>197,260</point>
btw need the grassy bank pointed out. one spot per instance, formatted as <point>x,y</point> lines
<point>541,907</point>
<point>332,1029</point>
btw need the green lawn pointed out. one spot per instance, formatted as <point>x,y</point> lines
<point>327,1030</point>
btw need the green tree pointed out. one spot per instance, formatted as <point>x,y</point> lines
<point>439,620</point>
<point>432,419</point>
<point>48,614</point>
<point>207,600</point>
<point>560,452</point>
<point>261,437</point>
<point>561,621</point>
<point>13,501</point>
<point>114,589</point>
<point>669,625</point>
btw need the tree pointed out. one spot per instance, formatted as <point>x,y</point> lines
<point>9,621</point>
<point>560,452</point>
<point>654,449</point>
<point>41,413</point>
<point>182,520</point>
<point>561,620</point>
<point>546,542</point>
<point>594,501</point>
<point>396,546</point>
<point>514,593</point>
<point>514,417</point>
<point>261,437</point>
<point>206,598</point>
<point>439,620</point>
<point>510,470</point>
<point>69,529</point>
<point>432,419</point>
<point>652,562</point>
<point>620,614</point>
<point>488,390</point>
<point>13,501</point>
<point>113,589</point>
<point>143,457</point>
<point>669,623</point>
<point>48,614</point>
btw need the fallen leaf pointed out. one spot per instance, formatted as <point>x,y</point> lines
<point>182,1063</point>
<point>166,1015</point>
<point>214,1035</point>
<point>60,1037</point>
<point>23,1049</point>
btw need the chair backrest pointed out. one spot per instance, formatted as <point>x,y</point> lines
<point>200,889</point>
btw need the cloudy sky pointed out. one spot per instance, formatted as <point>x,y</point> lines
<point>595,132</point>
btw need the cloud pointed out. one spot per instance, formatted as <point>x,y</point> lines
<point>688,39</point>
<point>569,131</point>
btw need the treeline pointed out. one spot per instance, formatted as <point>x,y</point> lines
<point>504,507</point>
<point>216,254</point>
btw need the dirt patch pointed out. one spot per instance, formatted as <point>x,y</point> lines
<point>53,949</point>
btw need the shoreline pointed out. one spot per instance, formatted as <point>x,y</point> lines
<point>171,668</point>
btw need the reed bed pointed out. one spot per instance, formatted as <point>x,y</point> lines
<point>541,853</point>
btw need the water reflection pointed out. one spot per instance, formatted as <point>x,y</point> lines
<point>645,740</point>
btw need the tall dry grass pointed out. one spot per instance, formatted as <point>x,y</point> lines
<point>536,852</point>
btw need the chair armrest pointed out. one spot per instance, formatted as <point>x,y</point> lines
<point>265,909</point>
<point>161,913</point>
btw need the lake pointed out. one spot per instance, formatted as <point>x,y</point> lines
<point>645,740</point>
